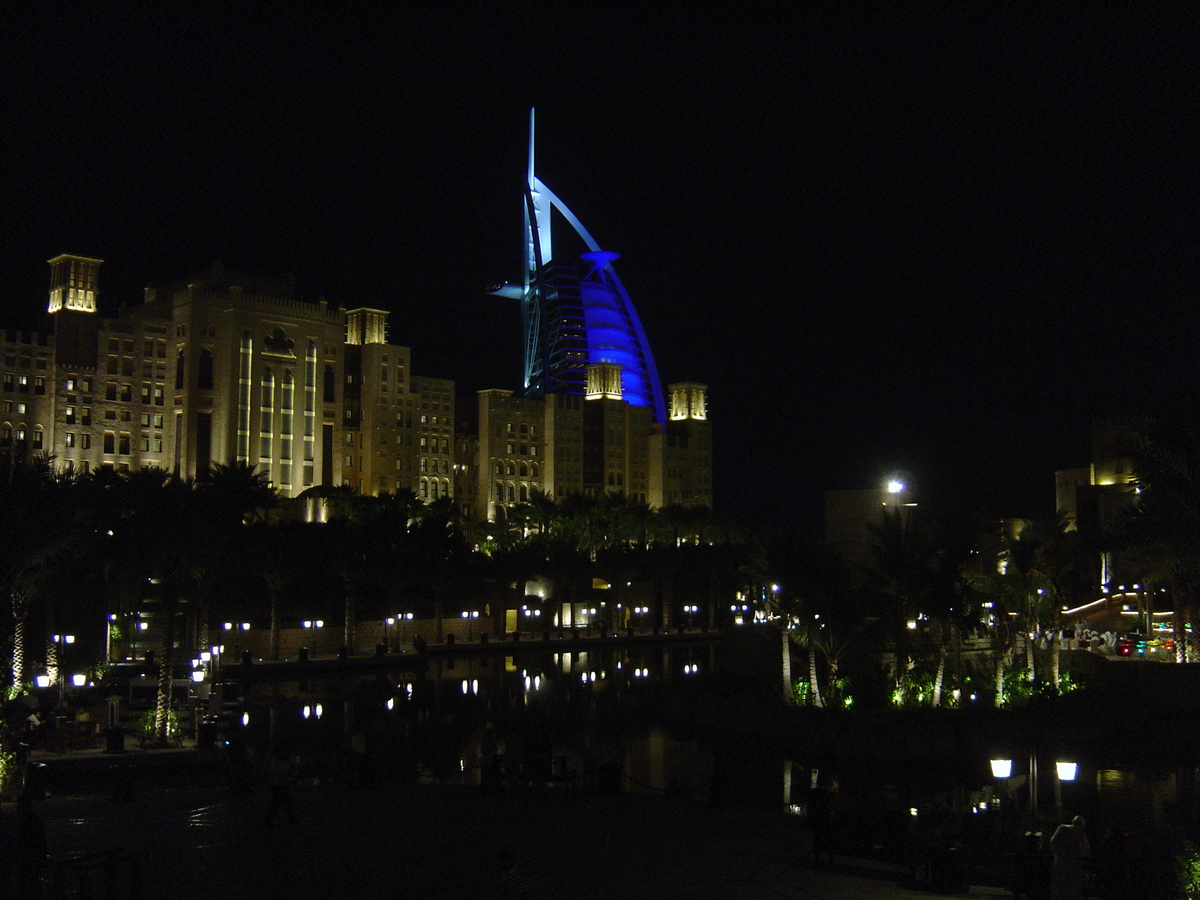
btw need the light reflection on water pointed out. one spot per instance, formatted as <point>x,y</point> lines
<point>600,710</point>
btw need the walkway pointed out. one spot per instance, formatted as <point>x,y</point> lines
<point>435,842</point>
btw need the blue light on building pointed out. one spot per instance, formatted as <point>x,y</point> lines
<point>577,315</point>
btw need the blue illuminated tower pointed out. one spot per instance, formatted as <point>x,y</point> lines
<point>578,314</point>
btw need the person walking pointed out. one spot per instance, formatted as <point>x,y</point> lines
<point>1070,846</point>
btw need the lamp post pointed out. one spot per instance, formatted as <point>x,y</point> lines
<point>690,611</point>
<point>314,626</point>
<point>1063,771</point>
<point>61,641</point>
<point>470,616</point>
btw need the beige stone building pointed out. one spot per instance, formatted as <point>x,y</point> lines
<point>228,367</point>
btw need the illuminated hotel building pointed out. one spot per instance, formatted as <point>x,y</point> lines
<point>221,368</point>
<point>591,417</point>
<point>226,367</point>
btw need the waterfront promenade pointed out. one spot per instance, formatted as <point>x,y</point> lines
<point>196,839</point>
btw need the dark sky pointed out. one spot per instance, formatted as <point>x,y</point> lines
<point>932,243</point>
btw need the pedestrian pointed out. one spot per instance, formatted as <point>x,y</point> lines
<point>279,779</point>
<point>1070,846</point>
<point>513,884</point>
<point>34,726</point>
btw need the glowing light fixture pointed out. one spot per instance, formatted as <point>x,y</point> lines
<point>1066,770</point>
<point>1001,768</point>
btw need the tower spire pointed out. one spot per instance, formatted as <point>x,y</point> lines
<point>530,177</point>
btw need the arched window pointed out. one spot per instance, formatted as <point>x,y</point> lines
<point>524,493</point>
<point>499,489</point>
<point>328,395</point>
<point>204,379</point>
<point>522,469</point>
<point>445,487</point>
<point>180,360</point>
<point>499,468</point>
<point>37,437</point>
<point>512,494</point>
<point>533,470</point>
<point>268,390</point>
<point>508,470</point>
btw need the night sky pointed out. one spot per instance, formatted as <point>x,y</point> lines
<point>933,244</point>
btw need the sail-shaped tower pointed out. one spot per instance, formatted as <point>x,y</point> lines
<point>576,313</point>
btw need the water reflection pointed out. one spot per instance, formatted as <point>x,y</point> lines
<point>604,715</point>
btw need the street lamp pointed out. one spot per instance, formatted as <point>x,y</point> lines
<point>470,616</point>
<point>691,611</point>
<point>60,642</point>
<point>314,625</point>
<point>1065,771</point>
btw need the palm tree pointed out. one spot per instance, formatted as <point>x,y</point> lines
<point>995,575</point>
<point>950,607</point>
<point>160,531</point>
<point>1163,524</point>
<point>275,553</point>
<point>41,527</point>
<point>822,605</point>
<point>241,492</point>
<point>543,510</point>
<point>903,559</point>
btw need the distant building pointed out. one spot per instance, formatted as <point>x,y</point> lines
<point>228,367</point>
<point>222,368</point>
<point>592,416</point>
<point>1091,497</point>
<point>849,515</point>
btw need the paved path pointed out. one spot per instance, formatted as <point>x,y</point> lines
<point>434,842</point>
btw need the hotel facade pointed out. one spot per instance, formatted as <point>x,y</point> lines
<point>228,367</point>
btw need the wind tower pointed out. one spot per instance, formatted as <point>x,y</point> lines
<point>73,310</point>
